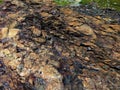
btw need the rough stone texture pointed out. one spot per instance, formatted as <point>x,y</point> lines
<point>45,47</point>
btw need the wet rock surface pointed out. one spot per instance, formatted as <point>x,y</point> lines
<point>46,47</point>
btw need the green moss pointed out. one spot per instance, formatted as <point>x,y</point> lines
<point>113,4</point>
<point>1,1</point>
<point>62,2</point>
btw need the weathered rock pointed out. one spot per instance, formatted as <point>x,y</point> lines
<point>8,33</point>
<point>52,48</point>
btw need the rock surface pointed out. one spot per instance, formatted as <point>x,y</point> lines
<point>46,47</point>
